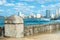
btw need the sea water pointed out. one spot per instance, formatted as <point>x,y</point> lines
<point>31,21</point>
<point>2,21</point>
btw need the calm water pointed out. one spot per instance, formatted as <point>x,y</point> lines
<point>2,22</point>
<point>30,21</point>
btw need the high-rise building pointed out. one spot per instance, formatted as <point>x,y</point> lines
<point>58,12</point>
<point>48,14</point>
<point>21,15</point>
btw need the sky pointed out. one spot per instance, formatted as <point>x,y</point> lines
<point>27,7</point>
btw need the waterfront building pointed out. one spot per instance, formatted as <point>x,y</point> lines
<point>32,16</point>
<point>38,16</point>
<point>47,13</point>
<point>57,12</point>
<point>52,16</point>
<point>21,15</point>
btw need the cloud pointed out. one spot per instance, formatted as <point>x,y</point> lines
<point>31,7</point>
<point>54,6</point>
<point>27,0</point>
<point>2,2</point>
<point>27,8</point>
<point>19,4</point>
<point>9,4</point>
<point>50,6</point>
<point>50,0</point>
<point>1,11</point>
<point>5,3</point>
<point>24,8</point>
<point>57,5</point>
<point>12,1</point>
<point>40,1</point>
<point>46,1</point>
<point>43,6</point>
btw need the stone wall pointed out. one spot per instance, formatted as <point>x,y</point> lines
<point>14,30</point>
<point>44,28</point>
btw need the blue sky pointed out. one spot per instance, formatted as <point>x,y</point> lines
<point>10,7</point>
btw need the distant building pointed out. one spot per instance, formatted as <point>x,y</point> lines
<point>47,13</point>
<point>32,16</point>
<point>53,16</point>
<point>57,12</point>
<point>38,16</point>
<point>21,14</point>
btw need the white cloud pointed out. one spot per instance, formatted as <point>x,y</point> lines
<point>24,8</point>
<point>2,2</point>
<point>46,1</point>
<point>19,4</point>
<point>40,1</point>
<point>57,5</point>
<point>1,10</point>
<point>49,7</point>
<point>31,6</point>
<point>9,4</point>
<point>28,0</point>
<point>43,6</point>
<point>12,1</point>
<point>54,6</point>
<point>50,0</point>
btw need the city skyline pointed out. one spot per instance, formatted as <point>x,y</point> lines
<point>38,15</point>
<point>27,7</point>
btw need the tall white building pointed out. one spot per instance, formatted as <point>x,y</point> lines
<point>21,15</point>
<point>58,12</point>
<point>52,15</point>
<point>38,15</point>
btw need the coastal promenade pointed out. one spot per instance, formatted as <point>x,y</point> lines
<point>51,36</point>
<point>39,29</point>
<point>39,32</point>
